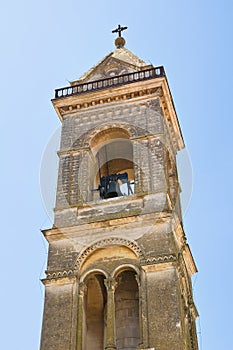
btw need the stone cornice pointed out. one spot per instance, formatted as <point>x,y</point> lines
<point>182,246</point>
<point>189,261</point>
<point>171,114</point>
<point>137,91</point>
<point>193,310</point>
<point>56,233</point>
<point>70,108</point>
<point>59,277</point>
<point>179,233</point>
<point>140,90</point>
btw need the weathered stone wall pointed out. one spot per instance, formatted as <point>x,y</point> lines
<point>154,238</point>
<point>144,118</point>
<point>164,320</point>
<point>154,250</point>
<point>62,255</point>
<point>57,318</point>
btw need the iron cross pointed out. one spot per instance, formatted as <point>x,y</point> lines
<point>119,30</point>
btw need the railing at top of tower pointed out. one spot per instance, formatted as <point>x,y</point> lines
<point>155,72</point>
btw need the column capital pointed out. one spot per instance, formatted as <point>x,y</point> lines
<point>110,284</point>
<point>137,278</point>
<point>82,289</point>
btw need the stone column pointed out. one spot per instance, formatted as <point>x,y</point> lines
<point>142,314</point>
<point>110,284</point>
<point>81,296</point>
<point>140,345</point>
<point>142,310</point>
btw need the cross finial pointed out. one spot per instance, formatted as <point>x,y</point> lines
<point>119,29</point>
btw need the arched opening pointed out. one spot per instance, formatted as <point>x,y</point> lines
<point>96,297</point>
<point>114,163</point>
<point>127,311</point>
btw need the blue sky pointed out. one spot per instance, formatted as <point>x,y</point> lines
<point>48,43</point>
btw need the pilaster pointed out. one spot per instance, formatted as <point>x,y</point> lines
<point>81,295</point>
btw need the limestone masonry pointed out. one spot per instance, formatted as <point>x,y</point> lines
<point>119,266</point>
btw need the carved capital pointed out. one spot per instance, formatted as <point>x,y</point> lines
<point>110,284</point>
<point>82,289</point>
<point>138,280</point>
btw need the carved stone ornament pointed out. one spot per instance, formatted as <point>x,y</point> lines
<point>107,242</point>
<point>73,108</point>
<point>159,259</point>
<point>110,284</point>
<point>82,288</point>
<point>59,274</point>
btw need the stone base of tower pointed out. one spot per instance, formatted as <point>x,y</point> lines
<point>91,266</point>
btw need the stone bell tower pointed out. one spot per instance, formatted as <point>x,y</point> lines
<point>119,267</point>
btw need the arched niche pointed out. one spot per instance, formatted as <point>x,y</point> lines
<point>94,312</point>
<point>127,310</point>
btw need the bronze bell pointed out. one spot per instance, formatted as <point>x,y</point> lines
<point>113,189</point>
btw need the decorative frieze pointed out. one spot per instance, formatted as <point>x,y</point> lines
<point>159,259</point>
<point>74,107</point>
<point>59,274</point>
<point>106,242</point>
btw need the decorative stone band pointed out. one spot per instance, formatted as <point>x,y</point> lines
<point>59,274</point>
<point>107,242</point>
<point>159,259</point>
<point>86,252</point>
<point>144,261</point>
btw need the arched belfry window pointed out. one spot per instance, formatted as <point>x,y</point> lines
<point>114,167</point>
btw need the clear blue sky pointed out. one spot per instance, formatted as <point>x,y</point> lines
<point>45,44</point>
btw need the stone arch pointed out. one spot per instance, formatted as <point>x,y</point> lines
<point>106,134</point>
<point>129,130</point>
<point>84,254</point>
<point>107,162</point>
<point>124,267</point>
<point>92,271</point>
<point>85,139</point>
<point>112,160</point>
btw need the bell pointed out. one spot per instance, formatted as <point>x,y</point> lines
<point>113,190</point>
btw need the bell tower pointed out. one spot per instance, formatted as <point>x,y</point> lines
<point>119,266</point>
